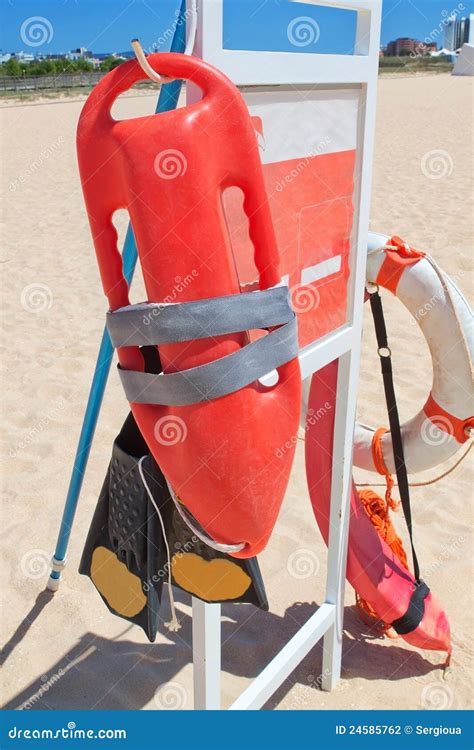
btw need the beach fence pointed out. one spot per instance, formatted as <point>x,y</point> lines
<point>52,83</point>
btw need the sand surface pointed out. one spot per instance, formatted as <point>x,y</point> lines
<point>69,651</point>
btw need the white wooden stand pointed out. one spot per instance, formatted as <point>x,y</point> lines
<point>302,69</point>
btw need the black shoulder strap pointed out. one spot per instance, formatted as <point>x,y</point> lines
<point>393,418</point>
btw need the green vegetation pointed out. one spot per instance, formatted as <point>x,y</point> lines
<point>110,62</point>
<point>410,64</point>
<point>55,67</point>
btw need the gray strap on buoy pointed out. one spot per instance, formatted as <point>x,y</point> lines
<point>149,323</point>
<point>154,323</point>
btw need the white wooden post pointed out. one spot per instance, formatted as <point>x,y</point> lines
<point>339,516</point>
<point>367,43</point>
<point>206,654</point>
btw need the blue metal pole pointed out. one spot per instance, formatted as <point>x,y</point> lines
<point>167,100</point>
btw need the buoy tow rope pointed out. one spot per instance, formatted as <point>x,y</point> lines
<point>200,533</point>
<point>145,65</point>
<point>141,57</point>
<point>174,623</point>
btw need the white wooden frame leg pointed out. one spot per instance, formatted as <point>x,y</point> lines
<point>340,513</point>
<point>283,664</point>
<point>367,34</point>
<point>206,655</point>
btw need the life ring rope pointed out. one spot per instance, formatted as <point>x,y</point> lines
<point>381,466</point>
<point>428,481</point>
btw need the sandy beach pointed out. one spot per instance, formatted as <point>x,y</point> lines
<point>68,651</point>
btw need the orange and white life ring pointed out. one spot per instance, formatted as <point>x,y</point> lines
<point>434,434</point>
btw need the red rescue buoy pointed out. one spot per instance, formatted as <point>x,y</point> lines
<point>170,171</point>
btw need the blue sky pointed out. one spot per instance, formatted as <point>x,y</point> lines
<point>108,25</point>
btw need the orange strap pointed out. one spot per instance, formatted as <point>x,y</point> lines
<point>458,428</point>
<point>398,255</point>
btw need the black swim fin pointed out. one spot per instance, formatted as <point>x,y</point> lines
<point>211,575</point>
<point>125,553</point>
<point>124,548</point>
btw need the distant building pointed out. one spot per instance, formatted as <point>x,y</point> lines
<point>402,46</point>
<point>464,27</point>
<point>449,33</point>
<point>25,57</point>
<point>412,47</point>
<point>457,32</point>
<point>81,53</point>
<point>117,55</point>
<point>50,56</point>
